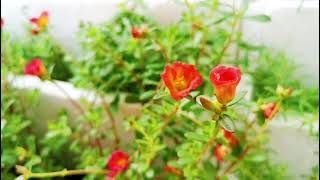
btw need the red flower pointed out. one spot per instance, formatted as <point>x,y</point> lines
<point>225,81</point>
<point>41,22</point>
<point>221,151</point>
<point>231,138</point>
<point>139,32</point>
<point>35,68</point>
<point>118,162</point>
<point>2,23</point>
<point>173,170</point>
<point>270,110</point>
<point>180,79</point>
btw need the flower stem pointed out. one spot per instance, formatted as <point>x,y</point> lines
<point>231,167</point>
<point>170,117</point>
<point>113,122</point>
<point>210,143</point>
<point>28,174</point>
<point>163,50</point>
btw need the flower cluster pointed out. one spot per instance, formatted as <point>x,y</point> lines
<point>181,78</point>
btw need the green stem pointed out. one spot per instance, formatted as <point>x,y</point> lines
<point>113,122</point>
<point>28,174</point>
<point>210,142</point>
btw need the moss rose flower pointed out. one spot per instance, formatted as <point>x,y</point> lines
<point>35,68</point>
<point>225,81</point>
<point>180,79</point>
<point>118,162</point>
<point>40,22</point>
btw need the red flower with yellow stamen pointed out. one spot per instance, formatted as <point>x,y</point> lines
<point>35,68</point>
<point>41,22</point>
<point>221,151</point>
<point>270,110</point>
<point>118,162</point>
<point>225,81</point>
<point>180,79</point>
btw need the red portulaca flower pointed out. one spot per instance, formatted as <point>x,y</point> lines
<point>41,22</point>
<point>139,32</point>
<point>221,151</point>
<point>225,81</point>
<point>173,170</point>
<point>35,68</point>
<point>118,162</point>
<point>270,110</point>
<point>230,137</point>
<point>180,79</point>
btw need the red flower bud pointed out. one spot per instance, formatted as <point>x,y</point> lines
<point>139,32</point>
<point>173,170</point>
<point>180,79</point>
<point>230,137</point>
<point>118,162</point>
<point>35,68</point>
<point>270,110</point>
<point>221,151</point>
<point>225,81</point>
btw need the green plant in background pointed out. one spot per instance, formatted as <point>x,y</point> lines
<point>268,74</point>
<point>37,43</point>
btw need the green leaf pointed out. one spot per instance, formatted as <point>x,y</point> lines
<point>259,18</point>
<point>258,158</point>
<point>160,95</point>
<point>196,136</point>
<point>249,46</point>
<point>227,123</point>
<point>34,161</point>
<point>240,96</point>
<point>115,103</point>
<point>147,95</point>
<point>132,98</point>
<point>261,120</point>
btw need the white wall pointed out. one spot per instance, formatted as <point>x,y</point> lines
<point>295,32</point>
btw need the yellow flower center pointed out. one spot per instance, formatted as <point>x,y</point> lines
<point>43,22</point>
<point>180,83</point>
<point>121,162</point>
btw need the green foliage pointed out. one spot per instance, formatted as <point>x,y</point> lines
<point>17,53</point>
<point>181,134</point>
<point>268,74</point>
